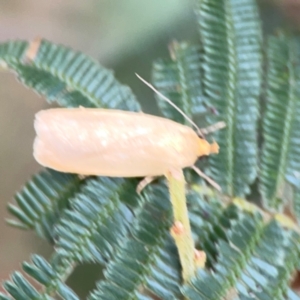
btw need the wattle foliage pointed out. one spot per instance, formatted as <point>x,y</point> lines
<point>251,254</point>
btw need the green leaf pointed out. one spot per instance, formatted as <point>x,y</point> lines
<point>231,40</point>
<point>98,220</point>
<point>245,253</point>
<point>250,255</point>
<point>146,262</point>
<point>42,201</point>
<point>281,122</point>
<point>12,52</point>
<point>204,213</point>
<point>45,273</point>
<point>253,258</point>
<point>179,79</point>
<point>63,75</point>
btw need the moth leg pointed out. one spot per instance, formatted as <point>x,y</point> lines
<point>207,178</point>
<point>144,182</point>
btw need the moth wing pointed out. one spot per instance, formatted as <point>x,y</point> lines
<point>112,143</point>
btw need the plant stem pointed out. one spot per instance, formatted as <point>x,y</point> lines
<point>181,229</point>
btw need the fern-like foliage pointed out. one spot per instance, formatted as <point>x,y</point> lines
<point>94,226</point>
<point>146,263</point>
<point>281,123</point>
<point>250,254</point>
<point>254,255</point>
<point>67,77</point>
<point>251,257</point>
<point>224,77</point>
<point>179,78</point>
<point>46,274</point>
<point>42,201</point>
<point>231,63</point>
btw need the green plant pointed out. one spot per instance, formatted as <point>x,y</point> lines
<point>252,253</point>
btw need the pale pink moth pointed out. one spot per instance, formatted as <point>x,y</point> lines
<point>115,143</point>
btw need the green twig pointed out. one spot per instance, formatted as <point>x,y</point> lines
<point>190,259</point>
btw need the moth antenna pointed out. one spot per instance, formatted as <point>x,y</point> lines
<point>213,127</point>
<point>208,179</point>
<point>171,103</point>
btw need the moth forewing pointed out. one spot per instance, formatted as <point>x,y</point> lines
<point>114,143</point>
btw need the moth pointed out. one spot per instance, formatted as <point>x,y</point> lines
<point>115,143</point>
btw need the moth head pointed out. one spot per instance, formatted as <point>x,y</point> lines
<point>205,148</point>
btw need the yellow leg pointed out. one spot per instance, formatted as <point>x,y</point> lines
<point>190,258</point>
<point>144,182</point>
